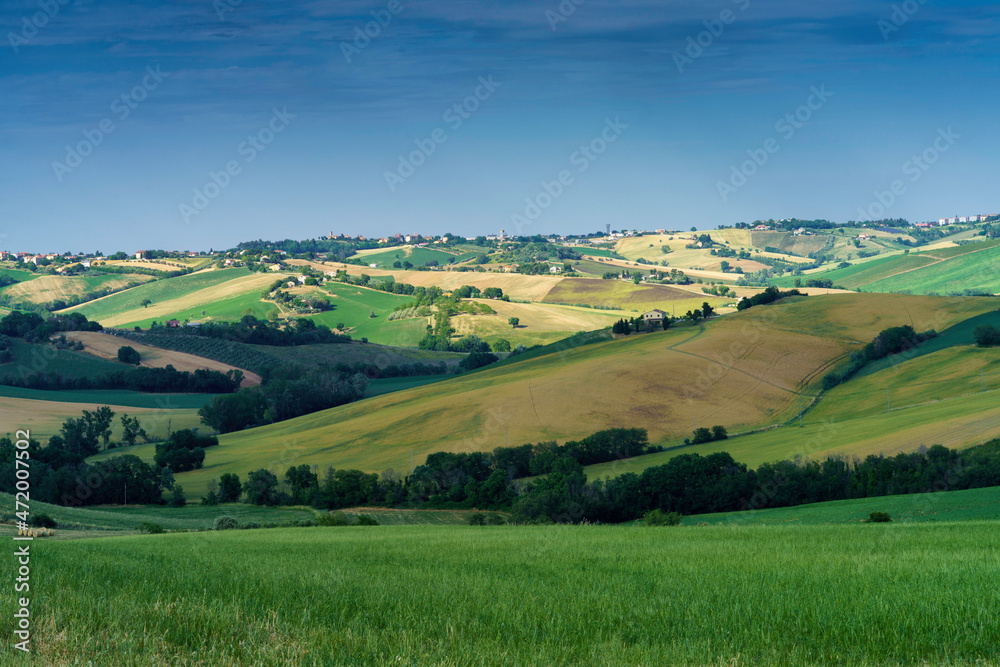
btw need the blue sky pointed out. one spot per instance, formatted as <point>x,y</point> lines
<point>234,120</point>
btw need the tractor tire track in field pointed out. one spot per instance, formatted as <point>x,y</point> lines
<point>675,348</point>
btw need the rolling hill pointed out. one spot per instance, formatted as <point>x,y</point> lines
<point>938,270</point>
<point>45,289</point>
<point>744,371</point>
<point>172,296</point>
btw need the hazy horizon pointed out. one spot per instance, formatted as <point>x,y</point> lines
<point>201,124</point>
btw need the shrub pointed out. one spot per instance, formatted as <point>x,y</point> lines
<point>987,335</point>
<point>365,520</point>
<point>477,519</point>
<point>879,517</point>
<point>250,525</point>
<point>225,523</point>
<point>494,519</point>
<point>177,497</point>
<point>333,519</point>
<point>830,380</point>
<point>127,354</point>
<point>149,528</point>
<point>210,499</point>
<point>41,521</point>
<point>660,518</point>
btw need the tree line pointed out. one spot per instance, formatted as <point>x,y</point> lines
<point>286,393</point>
<point>688,484</point>
<point>888,342</point>
<point>560,492</point>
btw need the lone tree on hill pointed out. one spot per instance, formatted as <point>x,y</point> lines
<point>514,321</point>
<point>127,354</point>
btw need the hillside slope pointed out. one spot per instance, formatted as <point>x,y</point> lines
<point>937,270</point>
<point>743,371</point>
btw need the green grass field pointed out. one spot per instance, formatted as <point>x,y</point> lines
<point>30,357</point>
<point>358,353</point>
<point>941,271</point>
<point>353,308</point>
<point>594,251</point>
<point>888,594</point>
<point>967,505</point>
<point>159,290</point>
<point>18,274</point>
<point>380,386</point>
<point>415,256</point>
<point>228,310</point>
<point>75,522</point>
<point>133,399</point>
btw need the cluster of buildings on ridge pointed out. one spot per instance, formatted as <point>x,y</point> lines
<point>958,219</point>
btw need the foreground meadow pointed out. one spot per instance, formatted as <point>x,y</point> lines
<point>452,595</point>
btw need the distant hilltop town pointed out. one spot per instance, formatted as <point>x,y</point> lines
<point>965,218</point>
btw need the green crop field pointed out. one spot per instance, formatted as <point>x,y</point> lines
<point>132,399</point>
<point>30,358</point>
<point>157,291</point>
<point>941,270</point>
<point>381,386</point>
<point>415,256</point>
<point>974,268</point>
<point>75,522</point>
<point>884,594</point>
<point>358,353</point>
<point>967,505</point>
<point>593,268</point>
<point>229,309</point>
<point>353,306</point>
<point>594,251</point>
<point>18,274</point>
<point>103,520</point>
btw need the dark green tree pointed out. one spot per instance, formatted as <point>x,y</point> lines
<point>261,487</point>
<point>229,488</point>
<point>128,355</point>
